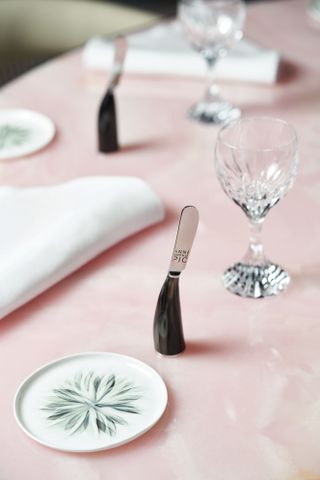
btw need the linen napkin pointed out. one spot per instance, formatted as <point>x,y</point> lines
<point>163,50</point>
<point>48,232</point>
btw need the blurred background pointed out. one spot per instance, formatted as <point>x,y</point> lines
<point>33,31</point>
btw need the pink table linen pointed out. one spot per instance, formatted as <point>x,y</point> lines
<point>244,399</point>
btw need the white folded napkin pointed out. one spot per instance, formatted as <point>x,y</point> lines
<point>48,232</point>
<point>163,50</point>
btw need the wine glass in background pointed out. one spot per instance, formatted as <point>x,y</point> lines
<point>212,27</point>
<point>256,163</point>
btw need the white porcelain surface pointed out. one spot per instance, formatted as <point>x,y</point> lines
<point>90,401</point>
<point>23,132</point>
<point>314,10</point>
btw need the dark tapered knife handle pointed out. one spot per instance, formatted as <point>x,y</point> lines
<point>107,124</point>
<point>167,325</point>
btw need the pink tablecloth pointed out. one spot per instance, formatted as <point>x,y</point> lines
<point>244,398</point>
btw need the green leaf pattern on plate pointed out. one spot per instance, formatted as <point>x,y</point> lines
<point>13,136</point>
<point>100,403</point>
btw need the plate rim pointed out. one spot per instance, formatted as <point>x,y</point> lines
<point>41,115</point>
<point>98,449</point>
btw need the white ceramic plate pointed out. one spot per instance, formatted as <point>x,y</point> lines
<point>314,10</point>
<point>23,132</point>
<point>90,401</point>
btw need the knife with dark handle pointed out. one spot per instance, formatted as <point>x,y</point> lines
<point>107,117</point>
<point>167,325</point>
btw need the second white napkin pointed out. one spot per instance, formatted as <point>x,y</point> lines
<point>162,50</point>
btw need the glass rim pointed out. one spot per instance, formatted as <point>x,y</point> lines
<point>278,120</point>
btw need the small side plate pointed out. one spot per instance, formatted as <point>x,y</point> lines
<point>90,401</point>
<point>314,10</point>
<point>23,132</point>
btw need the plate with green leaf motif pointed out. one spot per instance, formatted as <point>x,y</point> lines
<point>90,401</point>
<point>314,10</point>
<point>23,132</point>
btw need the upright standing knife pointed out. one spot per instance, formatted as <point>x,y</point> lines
<point>167,326</point>
<point>107,116</point>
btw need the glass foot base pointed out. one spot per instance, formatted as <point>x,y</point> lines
<point>215,113</point>
<point>255,281</point>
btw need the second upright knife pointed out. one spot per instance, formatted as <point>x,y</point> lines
<point>107,116</point>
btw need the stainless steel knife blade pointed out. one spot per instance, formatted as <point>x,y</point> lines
<point>187,227</point>
<point>120,50</point>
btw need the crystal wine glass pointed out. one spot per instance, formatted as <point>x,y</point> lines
<point>212,27</point>
<point>256,163</point>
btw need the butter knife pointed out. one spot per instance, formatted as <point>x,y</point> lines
<point>107,117</point>
<point>167,324</point>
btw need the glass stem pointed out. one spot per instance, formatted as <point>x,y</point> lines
<point>255,253</point>
<point>212,92</point>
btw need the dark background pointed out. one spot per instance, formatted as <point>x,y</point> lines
<point>167,7</point>
<point>34,31</point>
